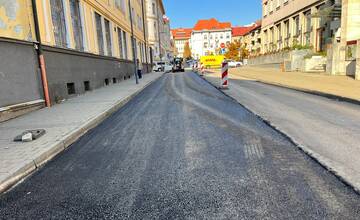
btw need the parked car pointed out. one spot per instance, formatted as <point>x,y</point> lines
<point>159,66</point>
<point>178,65</point>
<point>168,67</point>
<point>234,64</point>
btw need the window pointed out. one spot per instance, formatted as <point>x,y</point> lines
<point>153,8</point>
<point>297,25</point>
<point>125,45</point>
<point>108,37</point>
<point>205,37</point>
<point>287,29</point>
<point>227,36</point>
<point>120,4</point>
<point>120,40</point>
<point>58,21</point>
<point>279,32</point>
<point>76,24</point>
<point>70,88</point>
<point>99,34</point>
<point>308,21</point>
<point>87,85</point>
<point>221,36</point>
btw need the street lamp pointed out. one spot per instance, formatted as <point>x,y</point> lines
<point>133,44</point>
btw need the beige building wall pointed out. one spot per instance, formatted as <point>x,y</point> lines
<point>286,23</point>
<point>350,34</point>
<point>158,30</point>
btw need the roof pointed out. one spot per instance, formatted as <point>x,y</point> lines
<point>241,31</point>
<point>211,24</point>
<point>181,33</point>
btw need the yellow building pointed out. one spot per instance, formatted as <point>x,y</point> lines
<point>86,44</point>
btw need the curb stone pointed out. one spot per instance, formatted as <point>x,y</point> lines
<point>66,142</point>
<point>323,162</point>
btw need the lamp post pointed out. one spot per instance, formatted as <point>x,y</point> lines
<point>133,43</point>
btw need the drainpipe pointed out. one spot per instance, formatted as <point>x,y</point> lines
<point>133,44</point>
<point>40,55</point>
<point>145,39</point>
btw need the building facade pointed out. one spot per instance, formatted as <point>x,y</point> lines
<point>158,30</point>
<point>181,37</point>
<point>288,23</point>
<point>252,39</point>
<point>208,36</point>
<point>86,44</point>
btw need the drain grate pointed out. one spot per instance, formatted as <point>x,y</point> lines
<point>30,135</point>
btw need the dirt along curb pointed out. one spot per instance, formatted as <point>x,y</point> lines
<point>323,162</point>
<point>64,143</point>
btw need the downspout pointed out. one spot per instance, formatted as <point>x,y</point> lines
<point>40,55</point>
<point>145,39</point>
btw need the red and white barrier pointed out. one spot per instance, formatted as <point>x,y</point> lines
<point>224,75</point>
<point>202,70</point>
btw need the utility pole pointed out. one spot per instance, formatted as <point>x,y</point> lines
<point>133,43</point>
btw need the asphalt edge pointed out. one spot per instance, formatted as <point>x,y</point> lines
<point>63,144</point>
<point>312,155</point>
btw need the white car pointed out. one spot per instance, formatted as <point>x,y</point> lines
<point>234,64</point>
<point>168,67</point>
<point>159,66</point>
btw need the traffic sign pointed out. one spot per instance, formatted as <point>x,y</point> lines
<point>222,45</point>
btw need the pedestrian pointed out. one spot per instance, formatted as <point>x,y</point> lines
<point>140,67</point>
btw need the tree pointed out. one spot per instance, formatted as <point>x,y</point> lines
<point>244,53</point>
<point>187,51</point>
<point>233,51</point>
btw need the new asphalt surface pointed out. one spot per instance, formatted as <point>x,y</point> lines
<point>181,150</point>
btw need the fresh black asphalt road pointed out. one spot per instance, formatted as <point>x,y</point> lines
<point>181,150</point>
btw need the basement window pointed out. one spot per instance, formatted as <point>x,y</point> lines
<point>87,85</point>
<point>106,82</point>
<point>70,88</point>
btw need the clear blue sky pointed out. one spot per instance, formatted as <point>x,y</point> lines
<point>185,13</point>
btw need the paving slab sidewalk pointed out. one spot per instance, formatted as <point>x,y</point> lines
<point>343,87</point>
<point>64,123</point>
<point>325,129</point>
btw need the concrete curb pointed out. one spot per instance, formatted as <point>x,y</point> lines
<point>325,163</point>
<point>65,142</point>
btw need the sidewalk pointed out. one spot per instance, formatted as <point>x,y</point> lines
<point>337,86</point>
<point>325,129</point>
<point>64,124</point>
